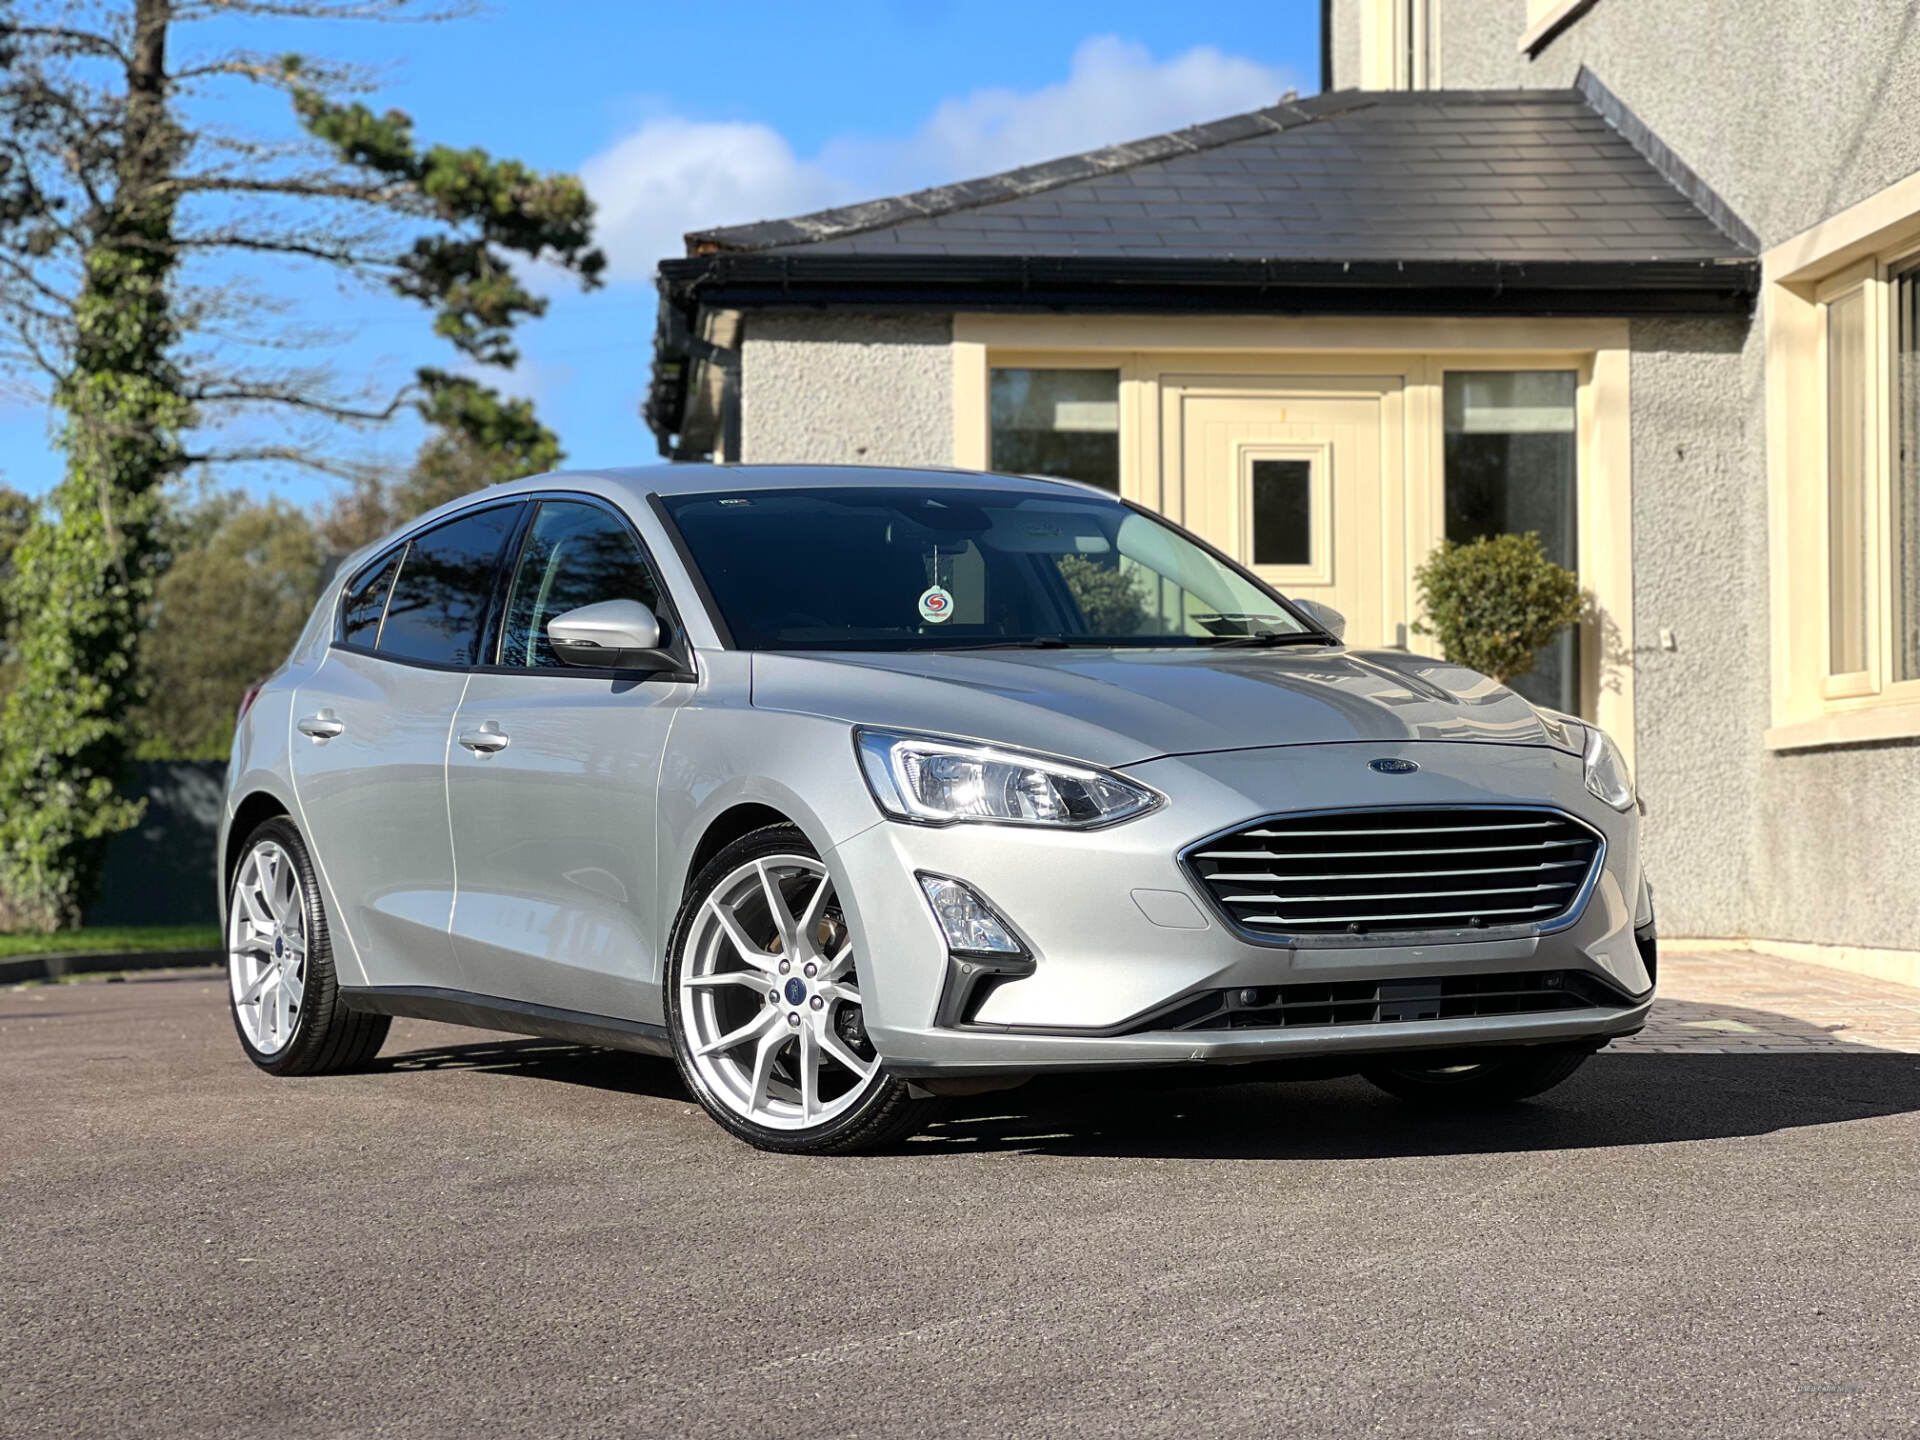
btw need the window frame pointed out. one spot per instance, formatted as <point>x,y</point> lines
<point>494,635</point>
<point>1317,455</point>
<point>1857,251</point>
<point>1858,280</point>
<point>527,501</point>
<point>1119,372</point>
<point>1399,45</point>
<point>400,547</point>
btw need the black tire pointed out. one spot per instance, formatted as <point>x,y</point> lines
<point>1484,1083</point>
<point>328,1038</point>
<point>884,1116</point>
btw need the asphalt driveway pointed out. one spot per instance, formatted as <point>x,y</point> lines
<point>493,1236</point>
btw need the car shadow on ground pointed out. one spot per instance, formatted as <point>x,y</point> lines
<point>557,1061</point>
<point>1630,1095</point>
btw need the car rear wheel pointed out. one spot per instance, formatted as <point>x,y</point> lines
<point>765,1009</point>
<point>1480,1083</point>
<point>281,985</point>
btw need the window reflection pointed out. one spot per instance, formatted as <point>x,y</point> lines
<point>1510,470</point>
<point>1064,423</point>
<point>574,555</point>
<point>440,597</point>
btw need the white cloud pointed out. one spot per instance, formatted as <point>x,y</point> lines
<point>672,175</point>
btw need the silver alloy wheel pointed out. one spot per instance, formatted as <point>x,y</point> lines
<point>769,997</point>
<point>267,947</point>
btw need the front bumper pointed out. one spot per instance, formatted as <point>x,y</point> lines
<point>1118,932</point>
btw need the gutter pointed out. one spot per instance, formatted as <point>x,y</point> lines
<point>1103,284</point>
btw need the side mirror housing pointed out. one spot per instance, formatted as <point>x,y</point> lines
<point>610,635</point>
<point>1325,616</point>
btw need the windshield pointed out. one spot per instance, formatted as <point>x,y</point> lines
<point>902,569</point>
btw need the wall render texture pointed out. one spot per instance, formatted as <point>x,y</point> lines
<point>847,389</point>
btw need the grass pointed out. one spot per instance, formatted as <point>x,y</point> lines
<point>112,939</point>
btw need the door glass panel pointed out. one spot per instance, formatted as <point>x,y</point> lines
<point>1283,512</point>
<point>366,602</point>
<point>1064,423</point>
<point>574,555</point>
<point>440,597</point>
<point>1846,484</point>
<point>1510,470</point>
<point>1906,474</point>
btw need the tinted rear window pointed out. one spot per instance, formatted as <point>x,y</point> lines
<point>366,602</point>
<point>440,598</point>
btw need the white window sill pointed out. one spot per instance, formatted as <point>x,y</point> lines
<point>1849,727</point>
<point>1551,24</point>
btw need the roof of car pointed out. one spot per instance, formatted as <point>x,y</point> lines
<point>640,481</point>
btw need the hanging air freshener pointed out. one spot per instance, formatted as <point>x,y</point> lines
<point>936,605</point>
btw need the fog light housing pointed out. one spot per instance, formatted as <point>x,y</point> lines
<point>966,920</point>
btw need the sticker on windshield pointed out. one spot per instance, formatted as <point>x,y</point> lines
<point>936,605</point>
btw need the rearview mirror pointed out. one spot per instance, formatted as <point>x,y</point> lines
<point>610,635</point>
<point>1325,616</point>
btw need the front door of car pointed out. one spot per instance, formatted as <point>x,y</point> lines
<point>1299,478</point>
<point>552,784</point>
<point>369,764</point>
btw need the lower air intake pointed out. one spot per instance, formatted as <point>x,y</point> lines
<point>1387,1002</point>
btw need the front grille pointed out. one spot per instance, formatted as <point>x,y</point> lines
<point>1385,1002</point>
<point>1364,872</point>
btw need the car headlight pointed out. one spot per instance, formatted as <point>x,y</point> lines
<point>1607,776</point>
<point>943,782</point>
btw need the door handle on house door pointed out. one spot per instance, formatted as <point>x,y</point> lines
<point>322,727</point>
<point>489,739</point>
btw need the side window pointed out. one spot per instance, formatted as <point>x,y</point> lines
<point>366,602</point>
<point>574,555</point>
<point>440,597</point>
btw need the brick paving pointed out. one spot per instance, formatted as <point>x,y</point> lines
<point>1744,1003</point>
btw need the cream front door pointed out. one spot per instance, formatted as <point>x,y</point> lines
<point>1301,479</point>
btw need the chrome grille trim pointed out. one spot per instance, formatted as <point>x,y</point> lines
<point>1533,871</point>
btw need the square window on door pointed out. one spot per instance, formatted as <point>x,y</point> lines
<point>1283,512</point>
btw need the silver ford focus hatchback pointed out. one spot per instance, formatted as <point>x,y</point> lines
<point>850,788</point>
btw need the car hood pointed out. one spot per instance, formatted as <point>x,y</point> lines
<point>1116,707</point>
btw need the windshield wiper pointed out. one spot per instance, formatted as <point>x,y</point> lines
<point>1262,639</point>
<point>1027,642</point>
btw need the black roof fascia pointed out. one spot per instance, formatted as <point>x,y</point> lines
<point>1100,284</point>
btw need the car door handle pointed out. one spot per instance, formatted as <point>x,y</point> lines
<point>322,727</point>
<point>489,739</point>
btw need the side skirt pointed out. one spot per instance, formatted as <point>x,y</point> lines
<point>516,1017</point>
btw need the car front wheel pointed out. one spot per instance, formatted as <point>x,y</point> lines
<point>765,1009</point>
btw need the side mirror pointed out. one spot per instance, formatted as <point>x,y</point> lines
<point>1325,616</point>
<point>612,635</point>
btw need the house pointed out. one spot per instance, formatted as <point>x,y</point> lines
<point>1643,278</point>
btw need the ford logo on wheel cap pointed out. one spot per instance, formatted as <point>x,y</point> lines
<point>1388,765</point>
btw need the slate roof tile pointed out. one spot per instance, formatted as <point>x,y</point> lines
<point>1537,175</point>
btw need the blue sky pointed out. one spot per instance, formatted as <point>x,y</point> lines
<point>683,116</point>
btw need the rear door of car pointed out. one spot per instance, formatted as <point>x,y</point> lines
<point>374,722</point>
<point>553,779</point>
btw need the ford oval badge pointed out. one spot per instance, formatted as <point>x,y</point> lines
<point>1387,765</point>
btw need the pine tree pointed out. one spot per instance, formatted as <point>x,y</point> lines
<point>112,206</point>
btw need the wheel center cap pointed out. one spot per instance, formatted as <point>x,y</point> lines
<point>279,947</point>
<point>796,990</point>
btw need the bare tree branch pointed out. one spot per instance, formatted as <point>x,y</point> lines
<point>284,455</point>
<point>68,39</point>
<point>269,394</point>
